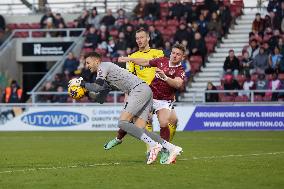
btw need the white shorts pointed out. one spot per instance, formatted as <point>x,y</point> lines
<point>161,104</point>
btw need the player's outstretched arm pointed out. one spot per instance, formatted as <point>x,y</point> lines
<point>138,61</point>
<point>98,86</point>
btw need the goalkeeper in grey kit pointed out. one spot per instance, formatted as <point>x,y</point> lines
<point>136,108</point>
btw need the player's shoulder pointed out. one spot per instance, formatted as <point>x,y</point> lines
<point>157,52</point>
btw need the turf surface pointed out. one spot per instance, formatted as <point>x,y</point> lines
<point>253,160</point>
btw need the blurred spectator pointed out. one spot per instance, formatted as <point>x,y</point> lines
<point>177,10</point>
<point>45,17</point>
<point>267,22</point>
<point>120,17</point>
<point>248,85</point>
<point>260,62</point>
<point>58,20</point>
<point>273,41</point>
<point>281,65</point>
<point>94,19</point>
<point>266,48</point>
<point>231,64</point>
<point>2,23</point>
<point>279,15</point>
<point>139,9</point>
<point>122,27</point>
<point>141,24</point>
<point>121,44</point>
<point>58,81</point>
<point>167,49</point>
<point>274,61</point>
<point>186,66</point>
<point>274,84</point>
<point>191,13</point>
<point>258,24</point>
<point>83,19</point>
<point>48,87</point>
<point>108,20</point>
<point>156,38</point>
<point>198,47</point>
<point>49,25</point>
<point>182,34</point>
<point>75,25</point>
<point>13,93</point>
<point>103,36</point>
<point>214,26</point>
<point>211,97</point>
<point>202,25</point>
<point>152,10</point>
<point>253,49</point>
<point>111,48</point>
<point>130,36</point>
<point>272,5</point>
<point>247,64</point>
<point>226,18</point>
<point>60,98</point>
<point>71,63</point>
<point>212,5</point>
<point>92,38</point>
<point>261,84</point>
<point>231,84</point>
<point>61,33</point>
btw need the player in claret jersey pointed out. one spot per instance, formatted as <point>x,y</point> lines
<point>168,79</point>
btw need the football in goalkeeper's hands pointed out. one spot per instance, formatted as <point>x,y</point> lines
<point>76,92</point>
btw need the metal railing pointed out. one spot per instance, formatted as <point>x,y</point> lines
<point>34,96</point>
<point>250,93</point>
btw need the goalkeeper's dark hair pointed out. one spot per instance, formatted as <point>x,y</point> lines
<point>93,54</point>
<point>180,47</point>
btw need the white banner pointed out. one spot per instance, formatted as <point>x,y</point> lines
<point>78,118</point>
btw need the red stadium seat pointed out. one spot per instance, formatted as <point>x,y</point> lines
<point>35,26</point>
<point>210,47</point>
<point>113,33</point>
<point>267,98</point>
<point>269,77</point>
<point>195,59</point>
<point>106,59</point>
<point>254,77</point>
<point>195,67</point>
<point>103,52</point>
<point>239,3</point>
<point>70,24</point>
<point>243,98</point>
<point>281,76</point>
<point>227,99</point>
<point>258,98</point>
<point>241,79</point>
<point>160,23</point>
<point>173,22</point>
<point>149,22</point>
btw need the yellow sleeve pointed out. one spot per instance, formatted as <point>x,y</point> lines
<point>130,66</point>
<point>159,54</point>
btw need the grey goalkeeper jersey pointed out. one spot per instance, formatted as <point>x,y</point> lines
<point>117,76</point>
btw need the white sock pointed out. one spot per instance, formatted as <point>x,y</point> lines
<point>117,139</point>
<point>167,145</point>
<point>148,140</point>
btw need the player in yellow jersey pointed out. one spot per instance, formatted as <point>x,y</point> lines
<point>147,74</point>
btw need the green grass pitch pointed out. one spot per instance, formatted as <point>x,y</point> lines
<point>221,160</point>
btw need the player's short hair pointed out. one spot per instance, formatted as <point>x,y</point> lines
<point>93,54</point>
<point>142,30</point>
<point>180,47</point>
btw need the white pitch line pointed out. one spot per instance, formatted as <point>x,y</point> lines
<point>238,155</point>
<point>66,167</point>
